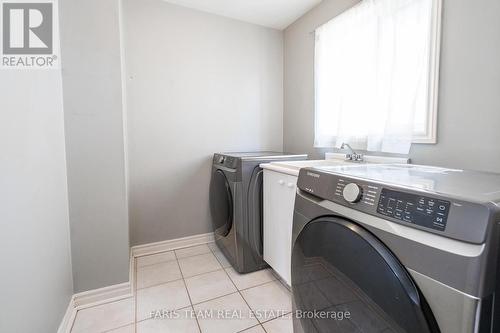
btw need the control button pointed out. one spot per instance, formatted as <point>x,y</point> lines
<point>417,210</point>
<point>439,220</point>
<point>352,192</point>
<point>391,204</point>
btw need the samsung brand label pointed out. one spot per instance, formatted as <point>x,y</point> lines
<point>314,175</point>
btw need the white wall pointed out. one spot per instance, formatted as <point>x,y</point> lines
<point>469,98</point>
<point>197,83</point>
<point>91,60</point>
<point>469,90</point>
<point>35,278</point>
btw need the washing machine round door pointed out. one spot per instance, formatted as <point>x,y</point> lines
<point>221,203</point>
<point>344,279</point>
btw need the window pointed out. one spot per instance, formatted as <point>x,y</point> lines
<point>376,75</point>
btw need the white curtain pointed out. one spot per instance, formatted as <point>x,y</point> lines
<point>372,68</point>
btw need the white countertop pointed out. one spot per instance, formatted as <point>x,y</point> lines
<point>293,167</point>
<point>332,159</point>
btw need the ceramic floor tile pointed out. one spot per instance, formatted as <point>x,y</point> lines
<point>279,325</point>
<point>222,258</point>
<point>216,250</point>
<point>179,321</point>
<point>168,296</point>
<point>269,300</point>
<point>155,258</point>
<point>256,329</point>
<point>245,281</point>
<point>159,273</point>
<point>199,264</point>
<point>209,285</point>
<point>280,279</point>
<point>228,314</point>
<point>213,246</point>
<point>192,251</point>
<point>123,329</point>
<point>104,317</point>
<point>284,284</point>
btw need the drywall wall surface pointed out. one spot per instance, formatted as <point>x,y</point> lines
<point>197,84</point>
<point>35,281</point>
<point>469,102</point>
<point>93,107</point>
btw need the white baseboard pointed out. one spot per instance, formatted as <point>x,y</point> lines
<point>99,296</point>
<point>68,319</point>
<point>88,299</point>
<point>120,291</point>
<point>169,245</point>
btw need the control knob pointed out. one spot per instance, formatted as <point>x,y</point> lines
<point>352,192</point>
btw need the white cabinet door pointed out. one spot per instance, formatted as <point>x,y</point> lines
<point>279,199</point>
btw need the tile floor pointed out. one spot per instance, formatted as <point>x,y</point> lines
<point>194,289</point>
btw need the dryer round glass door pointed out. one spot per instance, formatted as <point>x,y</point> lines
<point>221,203</point>
<point>345,280</point>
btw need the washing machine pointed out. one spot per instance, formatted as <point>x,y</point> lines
<point>236,205</point>
<point>396,248</point>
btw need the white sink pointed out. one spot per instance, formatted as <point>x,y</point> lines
<point>332,159</point>
<point>297,165</point>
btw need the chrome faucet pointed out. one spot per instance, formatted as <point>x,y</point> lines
<point>351,155</point>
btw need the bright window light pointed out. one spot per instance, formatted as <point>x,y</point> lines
<point>376,75</point>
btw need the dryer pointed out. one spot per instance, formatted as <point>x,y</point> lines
<point>396,248</point>
<point>236,205</point>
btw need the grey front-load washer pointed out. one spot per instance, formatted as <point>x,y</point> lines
<point>236,205</point>
<point>396,248</point>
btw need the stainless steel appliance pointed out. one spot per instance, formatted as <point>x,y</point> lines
<point>236,205</point>
<point>401,248</point>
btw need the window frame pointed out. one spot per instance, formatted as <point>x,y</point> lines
<point>430,135</point>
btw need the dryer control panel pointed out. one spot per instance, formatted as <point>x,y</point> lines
<point>226,161</point>
<point>367,195</point>
<point>412,207</point>
<point>420,210</point>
